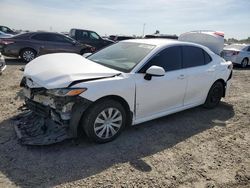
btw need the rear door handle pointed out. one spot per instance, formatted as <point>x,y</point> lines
<point>181,77</point>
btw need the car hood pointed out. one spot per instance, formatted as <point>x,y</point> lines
<point>59,70</point>
<point>109,41</point>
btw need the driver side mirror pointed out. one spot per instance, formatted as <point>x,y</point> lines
<point>154,71</point>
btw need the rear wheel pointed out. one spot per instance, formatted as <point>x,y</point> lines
<point>244,63</point>
<point>28,54</point>
<point>104,121</point>
<point>214,95</point>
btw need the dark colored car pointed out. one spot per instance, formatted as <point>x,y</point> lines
<point>30,45</point>
<point>90,38</point>
<point>162,36</point>
<point>7,30</point>
<point>117,38</point>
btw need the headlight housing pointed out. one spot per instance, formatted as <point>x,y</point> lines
<point>66,92</point>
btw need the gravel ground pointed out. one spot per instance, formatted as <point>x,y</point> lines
<point>194,148</point>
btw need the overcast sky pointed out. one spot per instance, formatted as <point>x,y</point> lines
<point>127,17</point>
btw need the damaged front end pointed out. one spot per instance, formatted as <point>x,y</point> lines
<point>52,115</point>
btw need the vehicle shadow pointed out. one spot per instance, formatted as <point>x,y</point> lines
<point>30,166</point>
<point>238,67</point>
<point>14,61</point>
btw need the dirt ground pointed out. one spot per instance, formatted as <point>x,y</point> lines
<point>194,148</point>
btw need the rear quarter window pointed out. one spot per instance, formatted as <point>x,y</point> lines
<point>207,57</point>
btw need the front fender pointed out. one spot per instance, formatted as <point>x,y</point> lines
<point>77,112</point>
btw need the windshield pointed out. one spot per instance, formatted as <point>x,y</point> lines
<point>122,56</point>
<point>236,46</point>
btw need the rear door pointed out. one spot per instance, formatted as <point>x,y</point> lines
<point>61,43</point>
<point>200,72</point>
<point>164,93</point>
<point>54,43</point>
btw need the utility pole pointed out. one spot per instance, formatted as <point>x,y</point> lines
<point>143,29</point>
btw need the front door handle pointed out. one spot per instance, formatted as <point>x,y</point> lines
<point>210,70</point>
<point>181,77</point>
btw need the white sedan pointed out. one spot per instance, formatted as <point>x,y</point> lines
<point>127,83</point>
<point>239,54</point>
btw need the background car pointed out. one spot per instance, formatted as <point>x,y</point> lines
<point>7,30</point>
<point>162,36</point>
<point>117,38</point>
<point>30,45</point>
<point>89,37</point>
<point>2,64</point>
<point>239,54</point>
<point>4,35</point>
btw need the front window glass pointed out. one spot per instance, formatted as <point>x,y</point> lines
<point>94,36</point>
<point>122,56</point>
<point>82,35</point>
<point>169,59</point>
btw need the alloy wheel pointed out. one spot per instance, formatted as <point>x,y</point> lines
<point>28,55</point>
<point>108,123</point>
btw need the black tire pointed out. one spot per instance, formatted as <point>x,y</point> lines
<point>214,95</point>
<point>28,54</point>
<point>244,63</point>
<point>89,119</point>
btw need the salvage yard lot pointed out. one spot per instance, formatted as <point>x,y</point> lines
<point>194,148</point>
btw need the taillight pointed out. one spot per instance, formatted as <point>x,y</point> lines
<point>219,33</point>
<point>235,52</point>
<point>92,49</point>
<point>6,42</point>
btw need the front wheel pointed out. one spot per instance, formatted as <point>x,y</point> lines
<point>214,95</point>
<point>104,121</point>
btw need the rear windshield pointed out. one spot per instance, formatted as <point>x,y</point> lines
<point>236,46</point>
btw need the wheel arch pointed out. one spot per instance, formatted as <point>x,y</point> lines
<point>82,106</point>
<point>246,58</point>
<point>123,102</point>
<point>24,48</point>
<point>224,85</point>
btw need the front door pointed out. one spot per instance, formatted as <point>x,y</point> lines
<point>164,93</point>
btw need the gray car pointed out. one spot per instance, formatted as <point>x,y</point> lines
<point>238,54</point>
<point>2,64</point>
<point>29,45</point>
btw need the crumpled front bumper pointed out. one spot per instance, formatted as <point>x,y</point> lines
<point>41,124</point>
<point>32,129</point>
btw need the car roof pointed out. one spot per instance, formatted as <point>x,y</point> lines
<point>28,34</point>
<point>82,30</point>
<point>162,43</point>
<point>159,42</point>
